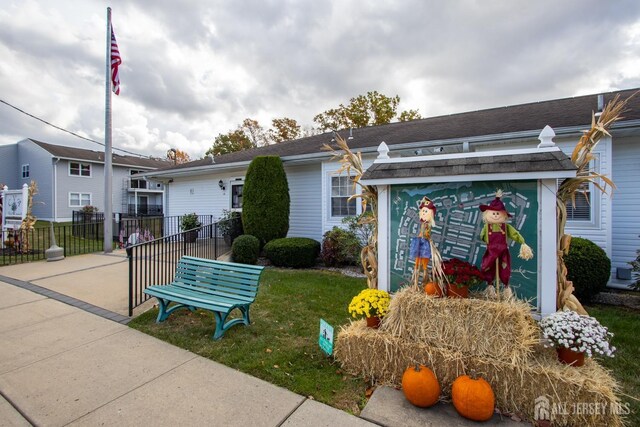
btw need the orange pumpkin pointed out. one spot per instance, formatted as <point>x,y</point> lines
<point>432,288</point>
<point>420,386</point>
<point>473,398</point>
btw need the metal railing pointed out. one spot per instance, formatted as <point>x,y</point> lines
<point>141,209</point>
<point>18,247</point>
<point>154,262</point>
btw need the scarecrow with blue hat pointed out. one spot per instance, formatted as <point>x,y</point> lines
<point>496,261</point>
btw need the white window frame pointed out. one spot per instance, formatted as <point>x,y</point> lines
<point>25,168</point>
<point>595,197</point>
<point>80,204</point>
<point>235,182</point>
<point>351,191</point>
<point>80,164</point>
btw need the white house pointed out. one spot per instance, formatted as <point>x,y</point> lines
<point>69,178</point>
<point>319,195</point>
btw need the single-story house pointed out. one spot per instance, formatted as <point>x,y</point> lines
<point>69,178</point>
<point>319,194</point>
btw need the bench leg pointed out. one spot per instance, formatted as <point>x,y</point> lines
<point>164,310</point>
<point>221,326</point>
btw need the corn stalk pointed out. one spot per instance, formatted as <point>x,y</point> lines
<point>29,220</point>
<point>570,188</point>
<point>351,164</point>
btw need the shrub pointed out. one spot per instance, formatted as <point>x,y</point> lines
<point>245,249</point>
<point>340,247</point>
<point>265,204</point>
<point>230,225</point>
<point>588,267</point>
<point>635,266</point>
<point>296,252</point>
<point>359,226</point>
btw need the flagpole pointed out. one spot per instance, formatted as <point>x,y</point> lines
<point>108,208</point>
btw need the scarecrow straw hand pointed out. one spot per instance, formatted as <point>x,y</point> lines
<point>526,253</point>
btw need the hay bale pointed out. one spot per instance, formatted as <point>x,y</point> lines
<point>492,329</point>
<point>379,355</point>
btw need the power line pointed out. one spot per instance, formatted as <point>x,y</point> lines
<point>68,131</point>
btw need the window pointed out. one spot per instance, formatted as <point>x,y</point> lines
<point>236,196</point>
<point>79,169</point>
<point>581,210</point>
<point>25,171</point>
<point>341,190</point>
<point>78,200</point>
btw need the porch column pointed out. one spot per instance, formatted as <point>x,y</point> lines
<point>383,238</point>
<point>547,261</point>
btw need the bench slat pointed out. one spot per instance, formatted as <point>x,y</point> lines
<point>229,266</point>
<point>215,276</point>
<point>217,294</point>
<point>181,298</point>
<point>214,282</point>
<point>200,287</point>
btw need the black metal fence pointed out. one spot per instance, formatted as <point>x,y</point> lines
<point>143,210</point>
<point>154,262</point>
<point>85,235</point>
<point>18,247</point>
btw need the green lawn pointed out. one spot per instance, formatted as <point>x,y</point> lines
<point>625,366</point>
<point>281,346</point>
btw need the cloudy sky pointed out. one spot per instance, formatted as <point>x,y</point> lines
<point>193,69</point>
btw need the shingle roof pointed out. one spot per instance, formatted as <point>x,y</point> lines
<point>97,156</point>
<point>545,161</point>
<point>558,113</point>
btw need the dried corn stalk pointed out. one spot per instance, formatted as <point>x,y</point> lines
<point>571,187</point>
<point>29,220</point>
<point>351,164</point>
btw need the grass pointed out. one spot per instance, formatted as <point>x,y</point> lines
<point>625,365</point>
<point>281,345</point>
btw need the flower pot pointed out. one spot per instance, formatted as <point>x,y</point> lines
<point>373,322</point>
<point>570,357</point>
<point>191,236</point>
<point>455,291</point>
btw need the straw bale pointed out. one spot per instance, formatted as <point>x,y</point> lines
<point>502,330</point>
<point>380,356</point>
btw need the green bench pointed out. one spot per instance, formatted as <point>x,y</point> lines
<point>218,286</point>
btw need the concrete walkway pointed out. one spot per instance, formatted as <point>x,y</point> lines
<point>60,365</point>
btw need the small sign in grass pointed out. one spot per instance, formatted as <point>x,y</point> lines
<point>326,337</point>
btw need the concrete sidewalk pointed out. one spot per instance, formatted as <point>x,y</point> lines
<point>60,365</point>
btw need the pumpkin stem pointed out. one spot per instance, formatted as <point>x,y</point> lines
<point>417,368</point>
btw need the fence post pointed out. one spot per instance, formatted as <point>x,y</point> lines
<point>130,256</point>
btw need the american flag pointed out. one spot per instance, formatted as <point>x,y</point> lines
<point>115,63</point>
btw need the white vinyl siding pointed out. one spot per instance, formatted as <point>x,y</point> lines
<point>78,200</point>
<point>80,169</point>
<point>626,201</point>
<point>305,211</point>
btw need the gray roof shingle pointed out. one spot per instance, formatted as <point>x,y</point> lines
<point>531,117</point>
<point>546,161</point>
<point>98,156</point>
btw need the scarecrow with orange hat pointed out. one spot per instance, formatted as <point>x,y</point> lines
<point>422,249</point>
<point>496,262</point>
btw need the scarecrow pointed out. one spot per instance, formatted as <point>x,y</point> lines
<point>496,262</point>
<point>422,248</point>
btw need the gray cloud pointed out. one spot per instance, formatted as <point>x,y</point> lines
<point>194,69</point>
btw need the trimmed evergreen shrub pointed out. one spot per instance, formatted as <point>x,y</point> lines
<point>265,204</point>
<point>245,249</point>
<point>296,252</point>
<point>340,247</point>
<point>588,267</point>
